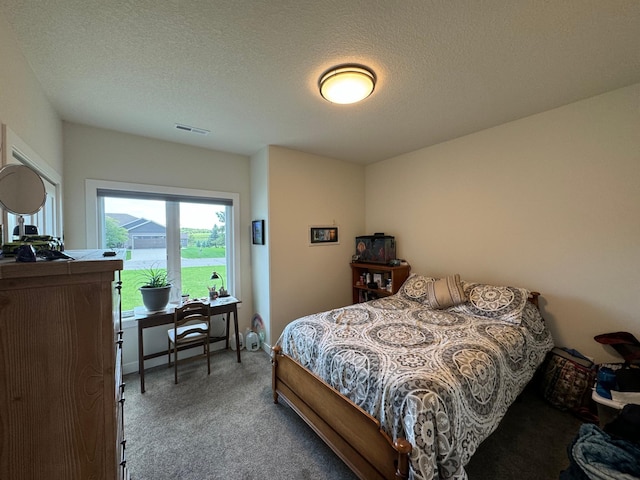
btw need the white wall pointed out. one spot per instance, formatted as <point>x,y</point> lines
<point>24,106</point>
<point>306,190</point>
<point>94,153</point>
<point>108,155</point>
<point>550,202</point>
<point>260,264</point>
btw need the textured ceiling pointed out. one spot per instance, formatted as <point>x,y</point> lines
<point>247,70</point>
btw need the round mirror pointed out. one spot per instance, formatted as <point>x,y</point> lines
<point>22,190</point>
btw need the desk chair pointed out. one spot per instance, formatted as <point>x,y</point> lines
<point>191,326</point>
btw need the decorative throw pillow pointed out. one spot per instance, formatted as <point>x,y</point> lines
<point>415,287</point>
<point>445,292</point>
<point>496,303</point>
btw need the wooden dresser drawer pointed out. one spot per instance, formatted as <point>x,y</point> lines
<point>66,382</point>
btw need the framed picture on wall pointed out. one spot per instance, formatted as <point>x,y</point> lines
<point>319,235</point>
<point>257,232</point>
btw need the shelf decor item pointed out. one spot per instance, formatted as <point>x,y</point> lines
<point>257,232</point>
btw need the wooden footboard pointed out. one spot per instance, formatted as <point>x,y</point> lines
<point>353,434</point>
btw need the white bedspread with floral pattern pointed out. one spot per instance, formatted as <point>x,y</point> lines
<point>439,378</point>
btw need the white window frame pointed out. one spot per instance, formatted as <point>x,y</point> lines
<point>49,218</point>
<point>232,224</point>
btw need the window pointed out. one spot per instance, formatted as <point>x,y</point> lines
<point>189,233</point>
<point>48,219</point>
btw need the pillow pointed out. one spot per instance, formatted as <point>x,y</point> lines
<point>415,287</point>
<point>445,292</point>
<point>496,303</point>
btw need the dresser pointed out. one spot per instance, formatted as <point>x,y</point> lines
<point>61,389</point>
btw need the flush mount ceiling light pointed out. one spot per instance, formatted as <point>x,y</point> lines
<point>347,84</point>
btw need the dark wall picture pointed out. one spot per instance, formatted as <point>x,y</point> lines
<point>323,235</point>
<point>257,232</point>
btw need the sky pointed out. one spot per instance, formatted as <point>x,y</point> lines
<point>192,215</point>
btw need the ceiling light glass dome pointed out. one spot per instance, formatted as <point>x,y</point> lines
<point>347,84</point>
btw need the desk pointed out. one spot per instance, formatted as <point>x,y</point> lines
<point>145,319</point>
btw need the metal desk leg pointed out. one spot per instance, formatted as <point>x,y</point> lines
<point>141,357</point>
<point>235,325</point>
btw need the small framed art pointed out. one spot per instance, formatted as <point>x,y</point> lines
<point>323,235</point>
<point>257,232</point>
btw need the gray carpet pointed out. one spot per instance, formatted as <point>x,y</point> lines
<point>226,426</point>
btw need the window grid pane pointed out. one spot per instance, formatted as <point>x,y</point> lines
<point>185,238</point>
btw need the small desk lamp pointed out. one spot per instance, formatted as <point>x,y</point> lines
<point>222,291</point>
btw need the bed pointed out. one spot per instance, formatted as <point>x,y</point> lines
<point>408,386</point>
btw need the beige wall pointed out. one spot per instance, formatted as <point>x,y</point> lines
<point>24,106</point>
<point>306,190</point>
<point>550,202</point>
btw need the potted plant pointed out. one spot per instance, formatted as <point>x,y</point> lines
<point>155,289</point>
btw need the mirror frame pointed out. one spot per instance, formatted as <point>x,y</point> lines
<point>22,190</point>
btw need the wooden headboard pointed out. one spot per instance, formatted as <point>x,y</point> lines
<point>533,298</point>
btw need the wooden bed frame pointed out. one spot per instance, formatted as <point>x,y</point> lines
<point>353,434</point>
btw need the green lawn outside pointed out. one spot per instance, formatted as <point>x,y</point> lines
<point>202,252</point>
<point>195,280</point>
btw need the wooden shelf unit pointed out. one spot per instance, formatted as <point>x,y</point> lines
<point>62,395</point>
<point>362,293</point>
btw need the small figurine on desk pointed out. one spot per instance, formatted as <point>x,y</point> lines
<point>212,293</point>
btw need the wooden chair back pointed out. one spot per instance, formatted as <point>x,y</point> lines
<point>191,325</point>
<point>191,313</point>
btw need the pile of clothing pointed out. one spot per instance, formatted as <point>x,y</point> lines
<point>611,452</point>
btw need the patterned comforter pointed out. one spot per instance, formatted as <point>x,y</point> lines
<point>439,378</point>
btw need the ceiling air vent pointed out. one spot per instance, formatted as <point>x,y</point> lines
<point>187,128</point>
